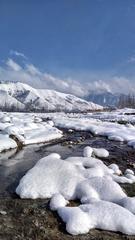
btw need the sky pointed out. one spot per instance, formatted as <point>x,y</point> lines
<point>74,46</point>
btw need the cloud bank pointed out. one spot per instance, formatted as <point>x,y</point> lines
<point>30,74</point>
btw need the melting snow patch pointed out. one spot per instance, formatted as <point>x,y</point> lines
<point>103,203</point>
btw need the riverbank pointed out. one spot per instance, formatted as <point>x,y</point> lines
<point>32,219</point>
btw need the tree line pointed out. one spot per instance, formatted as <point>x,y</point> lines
<point>126,101</point>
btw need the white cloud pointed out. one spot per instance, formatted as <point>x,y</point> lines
<point>131,59</point>
<point>13,65</point>
<point>100,85</point>
<point>32,69</point>
<point>18,54</point>
<point>122,84</point>
<point>30,74</point>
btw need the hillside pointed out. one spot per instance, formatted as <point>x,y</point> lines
<point>18,96</point>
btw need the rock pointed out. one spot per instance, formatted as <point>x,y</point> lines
<point>3,212</point>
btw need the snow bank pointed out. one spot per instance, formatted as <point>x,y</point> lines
<point>114,131</point>
<point>27,129</point>
<point>6,143</point>
<point>31,133</point>
<point>126,115</point>
<point>103,203</point>
<point>87,122</point>
<point>41,134</point>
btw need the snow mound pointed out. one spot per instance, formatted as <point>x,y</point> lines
<point>87,152</point>
<point>104,204</point>
<point>103,188</point>
<point>129,171</point>
<point>52,176</point>
<point>77,221</point>
<point>57,201</point>
<point>99,214</point>
<point>115,168</point>
<point>100,152</point>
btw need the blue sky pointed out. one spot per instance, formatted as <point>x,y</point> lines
<point>82,40</point>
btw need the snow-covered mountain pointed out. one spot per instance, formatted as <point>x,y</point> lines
<point>19,96</point>
<point>104,98</point>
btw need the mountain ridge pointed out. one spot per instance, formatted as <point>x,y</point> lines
<point>21,96</point>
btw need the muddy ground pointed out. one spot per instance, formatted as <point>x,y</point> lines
<point>32,219</point>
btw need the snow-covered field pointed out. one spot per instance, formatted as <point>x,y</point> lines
<point>104,124</point>
<point>103,203</point>
<point>30,128</point>
<point>126,115</point>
